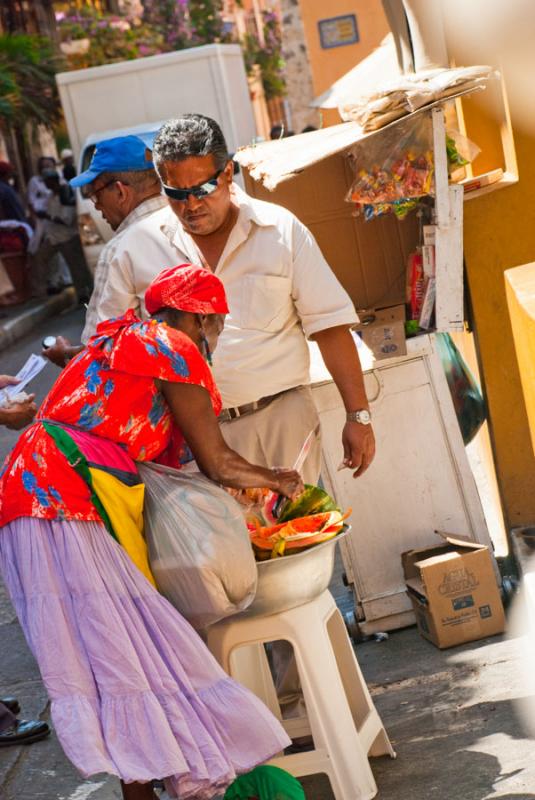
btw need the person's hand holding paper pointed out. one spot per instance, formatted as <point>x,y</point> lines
<point>17,409</point>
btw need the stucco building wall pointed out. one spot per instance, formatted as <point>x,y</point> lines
<point>299,82</point>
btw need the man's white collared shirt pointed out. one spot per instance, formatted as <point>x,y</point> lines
<point>145,209</point>
<point>279,287</point>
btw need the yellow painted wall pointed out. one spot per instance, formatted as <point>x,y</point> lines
<point>499,234</point>
<point>520,290</point>
<point>480,113</point>
<point>330,64</point>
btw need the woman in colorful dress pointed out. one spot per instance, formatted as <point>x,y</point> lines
<point>134,691</point>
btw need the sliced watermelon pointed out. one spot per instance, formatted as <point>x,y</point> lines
<point>312,501</point>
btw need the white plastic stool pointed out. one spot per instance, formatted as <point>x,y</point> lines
<point>341,717</point>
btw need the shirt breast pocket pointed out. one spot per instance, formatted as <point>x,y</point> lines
<point>266,303</point>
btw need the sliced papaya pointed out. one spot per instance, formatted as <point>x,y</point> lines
<point>309,525</point>
<point>297,534</point>
<point>267,532</point>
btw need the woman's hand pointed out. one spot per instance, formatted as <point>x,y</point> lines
<point>290,483</point>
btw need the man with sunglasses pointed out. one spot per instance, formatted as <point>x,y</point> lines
<point>124,187</point>
<point>281,291</point>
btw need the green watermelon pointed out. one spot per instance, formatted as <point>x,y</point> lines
<point>312,501</point>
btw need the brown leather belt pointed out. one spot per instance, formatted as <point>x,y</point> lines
<point>229,414</point>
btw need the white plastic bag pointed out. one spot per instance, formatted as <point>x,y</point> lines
<point>199,548</point>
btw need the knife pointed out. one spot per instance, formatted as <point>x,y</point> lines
<point>299,461</point>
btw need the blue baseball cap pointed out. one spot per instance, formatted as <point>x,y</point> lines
<point>122,154</point>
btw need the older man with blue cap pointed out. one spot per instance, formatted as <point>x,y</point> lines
<point>124,187</point>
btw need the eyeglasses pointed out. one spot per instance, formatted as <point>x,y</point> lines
<point>93,196</point>
<point>201,190</point>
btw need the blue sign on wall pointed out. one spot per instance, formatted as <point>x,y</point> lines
<point>338,31</point>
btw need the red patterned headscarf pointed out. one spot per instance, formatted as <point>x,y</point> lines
<point>187,288</point>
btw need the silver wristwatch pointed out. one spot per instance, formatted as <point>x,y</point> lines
<point>362,416</point>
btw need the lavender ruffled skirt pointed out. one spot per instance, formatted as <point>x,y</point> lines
<point>134,690</point>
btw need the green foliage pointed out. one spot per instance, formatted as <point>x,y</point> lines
<point>206,24</point>
<point>186,23</point>
<point>109,38</point>
<point>170,18</point>
<point>268,56</point>
<point>8,95</point>
<point>166,25</point>
<point>28,91</point>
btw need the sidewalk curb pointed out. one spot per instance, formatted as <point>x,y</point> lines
<point>18,326</point>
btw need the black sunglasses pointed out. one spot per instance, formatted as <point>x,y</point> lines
<point>201,190</point>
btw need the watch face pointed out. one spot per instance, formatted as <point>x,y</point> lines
<point>364,416</point>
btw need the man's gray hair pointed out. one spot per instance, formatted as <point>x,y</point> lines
<point>190,135</point>
<point>140,180</point>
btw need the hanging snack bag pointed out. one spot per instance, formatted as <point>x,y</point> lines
<point>393,169</point>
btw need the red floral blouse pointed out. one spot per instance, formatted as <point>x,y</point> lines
<point>108,390</point>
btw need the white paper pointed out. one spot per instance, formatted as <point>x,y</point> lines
<point>33,366</point>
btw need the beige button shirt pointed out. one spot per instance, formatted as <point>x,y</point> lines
<point>144,209</point>
<point>279,287</point>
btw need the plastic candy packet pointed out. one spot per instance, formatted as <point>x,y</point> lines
<point>394,170</point>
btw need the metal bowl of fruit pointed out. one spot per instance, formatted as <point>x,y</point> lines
<point>294,579</point>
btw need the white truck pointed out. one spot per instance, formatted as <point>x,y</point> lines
<point>137,96</point>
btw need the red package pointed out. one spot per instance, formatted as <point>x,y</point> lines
<point>415,284</point>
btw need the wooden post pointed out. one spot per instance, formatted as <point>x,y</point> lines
<point>449,235</point>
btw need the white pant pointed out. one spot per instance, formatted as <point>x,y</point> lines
<point>273,436</point>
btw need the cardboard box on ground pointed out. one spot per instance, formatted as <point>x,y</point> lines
<point>453,591</point>
<point>368,258</point>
